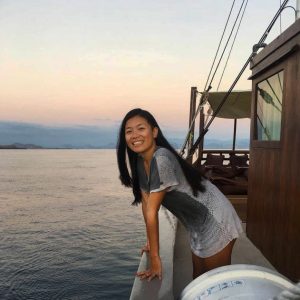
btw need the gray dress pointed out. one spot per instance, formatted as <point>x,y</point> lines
<point>209,218</point>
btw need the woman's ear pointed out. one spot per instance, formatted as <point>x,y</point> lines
<point>155,132</point>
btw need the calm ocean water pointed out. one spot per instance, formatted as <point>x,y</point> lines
<point>68,230</point>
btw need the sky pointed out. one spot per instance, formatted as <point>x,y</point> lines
<point>88,62</point>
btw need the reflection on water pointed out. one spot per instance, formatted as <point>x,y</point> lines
<point>68,230</point>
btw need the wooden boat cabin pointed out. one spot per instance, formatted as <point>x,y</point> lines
<point>273,213</point>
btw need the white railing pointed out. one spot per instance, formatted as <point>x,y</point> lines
<point>159,289</point>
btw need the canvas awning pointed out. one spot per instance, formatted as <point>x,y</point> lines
<point>237,105</point>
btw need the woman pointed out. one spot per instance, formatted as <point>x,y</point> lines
<point>159,176</point>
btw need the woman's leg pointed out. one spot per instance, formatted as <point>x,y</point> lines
<point>198,265</point>
<point>222,258</point>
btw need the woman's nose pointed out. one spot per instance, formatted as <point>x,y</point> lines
<point>134,134</point>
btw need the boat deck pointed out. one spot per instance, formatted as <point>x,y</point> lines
<point>244,252</point>
<point>177,261</point>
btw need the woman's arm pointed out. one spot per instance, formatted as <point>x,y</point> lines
<point>145,196</point>
<point>152,205</point>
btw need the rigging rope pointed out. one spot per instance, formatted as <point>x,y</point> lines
<point>232,45</point>
<point>280,18</point>
<point>220,59</point>
<point>206,89</point>
<point>254,51</point>
<point>219,45</point>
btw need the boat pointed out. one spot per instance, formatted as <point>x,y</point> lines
<point>263,183</point>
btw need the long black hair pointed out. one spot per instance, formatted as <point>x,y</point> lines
<point>193,176</point>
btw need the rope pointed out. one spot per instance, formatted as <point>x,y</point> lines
<point>206,89</point>
<point>203,99</point>
<point>219,44</point>
<point>257,46</point>
<point>220,59</point>
<point>280,18</point>
<point>232,45</point>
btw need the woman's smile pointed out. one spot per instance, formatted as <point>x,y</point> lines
<point>137,143</point>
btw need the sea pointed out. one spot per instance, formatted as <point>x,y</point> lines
<point>67,226</point>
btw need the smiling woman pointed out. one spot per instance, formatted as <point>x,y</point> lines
<point>159,176</point>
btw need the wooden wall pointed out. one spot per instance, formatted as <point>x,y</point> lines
<point>273,216</point>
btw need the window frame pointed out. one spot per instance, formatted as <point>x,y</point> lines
<point>267,74</point>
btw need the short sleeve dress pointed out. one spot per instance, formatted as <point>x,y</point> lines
<point>209,218</point>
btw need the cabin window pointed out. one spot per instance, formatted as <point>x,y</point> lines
<point>269,108</point>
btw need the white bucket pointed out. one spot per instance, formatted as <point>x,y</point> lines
<point>246,282</point>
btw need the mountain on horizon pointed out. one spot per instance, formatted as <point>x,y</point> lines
<point>32,136</point>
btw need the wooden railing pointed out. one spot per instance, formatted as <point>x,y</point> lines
<point>224,152</point>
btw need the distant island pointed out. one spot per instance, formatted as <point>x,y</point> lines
<point>19,146</point>
<point>175,142</point>
<point>15,135</point>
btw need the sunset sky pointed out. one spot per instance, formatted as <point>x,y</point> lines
<point>87,62</point>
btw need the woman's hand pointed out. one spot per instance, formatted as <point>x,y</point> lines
<point>151,208</point>
<point>145,248</point>
<point>154,271</point>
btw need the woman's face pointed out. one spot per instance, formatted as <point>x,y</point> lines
<point>139,135</point>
